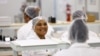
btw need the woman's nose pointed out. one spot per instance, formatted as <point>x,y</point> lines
<point>42,25</point>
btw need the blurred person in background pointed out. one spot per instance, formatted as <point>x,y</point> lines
<point>20,17</point>
<point>31,12</point>
<point>80,15</point>
<point>78,36</point>
<point>28,12</point>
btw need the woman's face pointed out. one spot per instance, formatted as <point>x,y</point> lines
<point>26,18</point>
<point>41,28</point>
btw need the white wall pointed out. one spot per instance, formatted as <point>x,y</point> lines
<point>47,7</point>
<point>11,8</point>
<point>80,4</point>
<point>93,5</point>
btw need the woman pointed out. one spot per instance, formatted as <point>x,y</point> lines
<point>78,36</point>
<point>38,31</point>
<point>30,13</point>
<point>80,15</point>
<point>39,28</point>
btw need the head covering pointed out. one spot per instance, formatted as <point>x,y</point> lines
<point>36,20</point>
<point>78,31</point>
<point>79,15</point>
<point>31,11</point>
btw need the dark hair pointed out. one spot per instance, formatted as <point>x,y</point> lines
<point>78,31</point>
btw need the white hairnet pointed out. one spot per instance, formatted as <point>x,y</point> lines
<point>79,14</point>
<point>37,19</point>
<point>31,11</point>
<point>78,31</point>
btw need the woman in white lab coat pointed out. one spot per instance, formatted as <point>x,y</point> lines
<point>38,31</point>
<point>30,13</point>
<point>80,15</point>
<point>78,36</point>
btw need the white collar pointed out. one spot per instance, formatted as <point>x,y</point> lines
<point>79,45</point>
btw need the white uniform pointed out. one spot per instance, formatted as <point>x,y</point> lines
<point>79,49</point>
<point>92,35</point>
<point>33,35</point>
<point>25,30</point>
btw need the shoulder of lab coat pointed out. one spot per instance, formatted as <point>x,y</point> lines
<point>92,35</point>
<point>65,36</point>
<point>79,50</point>
<point>24,31</point>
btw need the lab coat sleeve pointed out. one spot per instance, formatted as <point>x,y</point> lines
<point>22,33</point>
<point>92,34</point>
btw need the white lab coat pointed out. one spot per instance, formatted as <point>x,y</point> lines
<point>79,49</point>
<point>92,35</point>
<point>33,35</point>
<point>25,30</point>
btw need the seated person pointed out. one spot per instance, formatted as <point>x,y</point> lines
<point>30,13</point>
<point>80,15</point>
<point>78,36</point>
<point>38,31</point>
